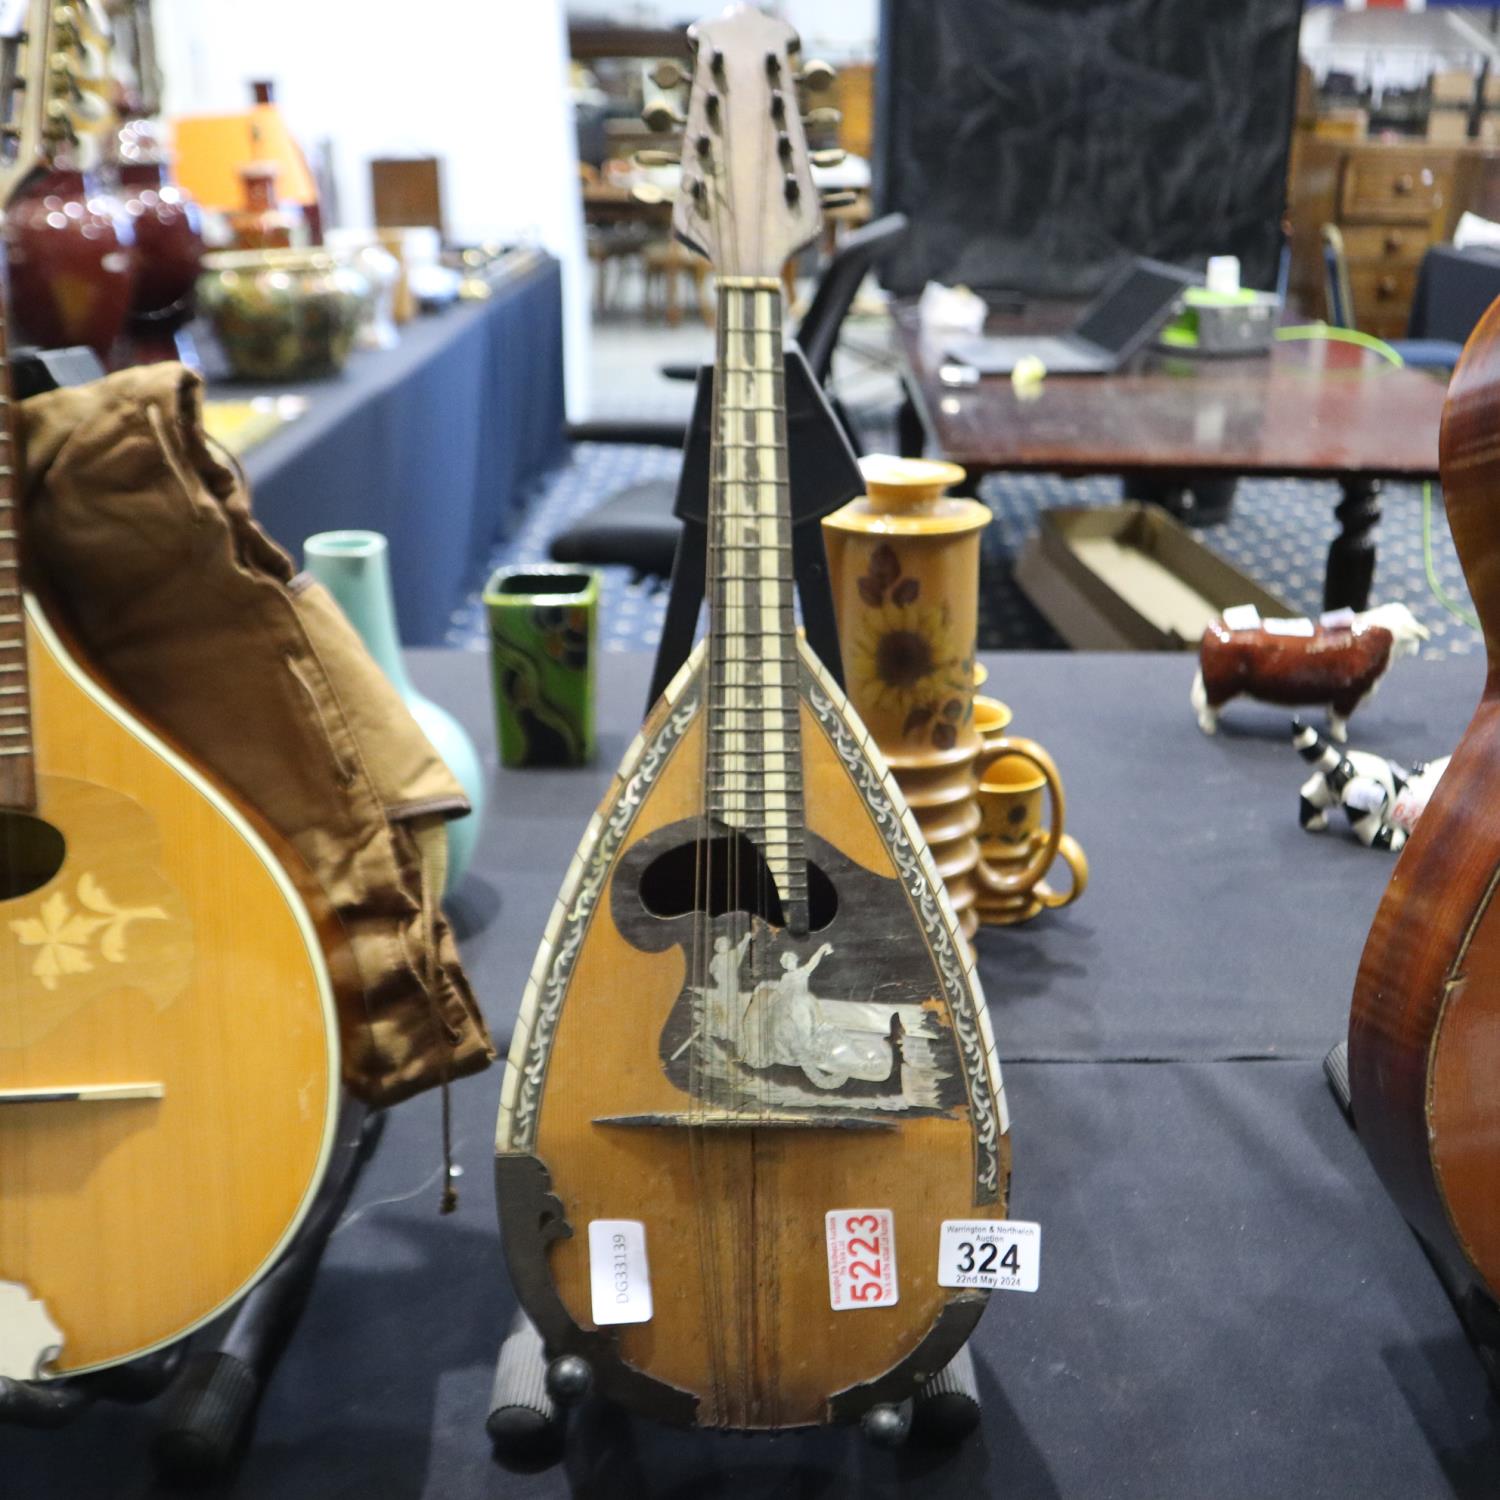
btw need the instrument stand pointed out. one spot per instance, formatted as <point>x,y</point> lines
<point>212,1381</point>
<point>531,1396</point>
<point>1477,1311</point>
<point>823,474</point>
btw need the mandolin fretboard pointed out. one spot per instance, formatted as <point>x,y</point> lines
<point>754,773</point>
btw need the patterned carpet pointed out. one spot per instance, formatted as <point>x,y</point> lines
<point>1278,533</point>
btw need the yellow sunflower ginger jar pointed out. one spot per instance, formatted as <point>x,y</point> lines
<point>904,565</point>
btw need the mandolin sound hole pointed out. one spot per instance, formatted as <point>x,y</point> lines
<point>31,853</point>
<point>726,874</point>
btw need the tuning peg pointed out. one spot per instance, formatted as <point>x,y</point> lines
<point>668,75</point>
<point>834,156</point>
<point>839,200</point>
<point>650,158</point>
<point>662,118</point>
<point>816,75</point>
<point>825,116</point>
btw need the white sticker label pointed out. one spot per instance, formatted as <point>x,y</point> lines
<point>618,1274</point>
<point>1289,627</point>
<point>1003,1255</point>
<point>1337,619</point>
<point>1242,617</point>
<point>861,1258</point>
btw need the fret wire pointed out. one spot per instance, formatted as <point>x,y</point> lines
<point>17,750</point>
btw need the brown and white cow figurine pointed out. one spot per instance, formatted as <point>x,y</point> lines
<point>1336,662</point>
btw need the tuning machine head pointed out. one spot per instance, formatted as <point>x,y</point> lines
<point>816,75</point>
<point>834,156</point>
<point>668,75</point>
<point>839,199</point>
<point>826,117</point>
<point>661,118</point>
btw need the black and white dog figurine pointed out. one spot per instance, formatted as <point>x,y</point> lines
<point>1381,799</point>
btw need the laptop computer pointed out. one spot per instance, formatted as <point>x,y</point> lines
<point>1115,325</point>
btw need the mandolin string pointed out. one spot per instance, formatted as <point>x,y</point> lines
<point>704,1099</point>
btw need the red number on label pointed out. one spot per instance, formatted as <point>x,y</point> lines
<point>859,1265</point>
<point>866,1291</point>
<point>851,1224</point>
<point>858,1246</point>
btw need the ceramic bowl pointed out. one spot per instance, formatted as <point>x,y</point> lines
<point>283,314</point>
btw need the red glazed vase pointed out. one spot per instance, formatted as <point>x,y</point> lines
<point>71,263</point>
<point>168,257</point>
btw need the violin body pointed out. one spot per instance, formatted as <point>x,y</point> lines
<point>168,1052</point>
<point>732,1166</point>
<point>1424,1030</point>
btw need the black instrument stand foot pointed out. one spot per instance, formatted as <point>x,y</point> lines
<point>528,1420</point>
<point>527,1426</point>
<point>211,1407</point>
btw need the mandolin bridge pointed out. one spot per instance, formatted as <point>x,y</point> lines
<point>725,1120</point>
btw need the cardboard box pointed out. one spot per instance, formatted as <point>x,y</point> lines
<point>1448,127</point>
<point>1130,578</point>
<point>1349,124</point>
<point>1453,86</point>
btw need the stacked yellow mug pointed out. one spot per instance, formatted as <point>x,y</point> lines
<point>904,567</point>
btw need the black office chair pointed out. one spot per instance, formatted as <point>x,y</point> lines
<point>636,527</point>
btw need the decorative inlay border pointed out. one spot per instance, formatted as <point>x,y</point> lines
<point>531,1043</point>
<point>965,1002</point>
<point>536,1026</point>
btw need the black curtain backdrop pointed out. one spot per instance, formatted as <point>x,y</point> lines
<point>1036,144</point>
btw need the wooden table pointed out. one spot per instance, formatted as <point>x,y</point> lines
<point>1307,411</point>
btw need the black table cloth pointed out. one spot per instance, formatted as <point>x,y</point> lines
<point>432,443</point>
<point>1454,288</point>
<point>1229,1303</point>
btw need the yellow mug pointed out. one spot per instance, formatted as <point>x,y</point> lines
<point>991,717</point>
<point>1016,776</point>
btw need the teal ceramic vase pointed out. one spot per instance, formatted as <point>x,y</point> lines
<point>354,566</point>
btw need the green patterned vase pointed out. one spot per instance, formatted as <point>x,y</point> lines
<point>543,626</point>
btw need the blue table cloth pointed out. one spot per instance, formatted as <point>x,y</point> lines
<point>433,443</point>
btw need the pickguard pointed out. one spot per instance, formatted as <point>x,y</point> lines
<point>108,921</point>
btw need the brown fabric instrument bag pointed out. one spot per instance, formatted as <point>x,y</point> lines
<point>183,603</point>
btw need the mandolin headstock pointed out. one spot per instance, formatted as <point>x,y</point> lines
<point>748,200</point>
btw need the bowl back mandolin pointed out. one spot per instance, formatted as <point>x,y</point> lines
<point>1424,1032</point>
<point>753,1071</point>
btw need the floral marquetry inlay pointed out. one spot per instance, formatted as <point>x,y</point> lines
<point>108,924</point>
<point>68,939</point>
